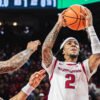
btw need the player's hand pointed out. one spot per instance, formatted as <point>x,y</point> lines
<point>89,18</point>
<point>61,20</point>
<point>33,45</point>
<point>36,78</point>
<point>64,21</point>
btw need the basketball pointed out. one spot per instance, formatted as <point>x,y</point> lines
<point>74,17</point>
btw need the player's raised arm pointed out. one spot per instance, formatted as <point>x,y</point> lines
<point>94,60</point>
<point>19,59</point>
<point>49,42</point>
<point>34,81</point>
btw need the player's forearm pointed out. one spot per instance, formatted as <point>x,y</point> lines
<point>20,96</point>
<point>94,60</point>
<point>24,93</point>
<point>50,39</point>
<point>95,43</point>
<point>15,62</point>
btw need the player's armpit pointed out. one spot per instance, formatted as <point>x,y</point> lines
<point>94,62</point>
<point>47,56</point>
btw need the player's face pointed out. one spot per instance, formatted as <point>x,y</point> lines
<point>71,47</point>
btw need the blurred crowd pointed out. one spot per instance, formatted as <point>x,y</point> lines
<point>11,83</point>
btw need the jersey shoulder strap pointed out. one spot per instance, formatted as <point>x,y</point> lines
<point>53,69</point>
<point>83,67</point>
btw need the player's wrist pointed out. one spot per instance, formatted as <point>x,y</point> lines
<point>91,30</point>
<point>60,24</point>
<point>27,89</point>
<point>30,50</point>
<point>90,27</point>
<point>95,43</point>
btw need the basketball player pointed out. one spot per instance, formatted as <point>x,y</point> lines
<point>19,59</point>
<point>69,79</point>
<point>34,81</point>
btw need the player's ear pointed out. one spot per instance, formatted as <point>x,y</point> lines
<point>63,51</point>
<point>79,51</point>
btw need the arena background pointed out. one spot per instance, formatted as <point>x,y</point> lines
<point>23,23</point>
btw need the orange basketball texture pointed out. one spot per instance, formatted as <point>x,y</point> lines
<point>74,17</point>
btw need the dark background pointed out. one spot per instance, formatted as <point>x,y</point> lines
<point>39,22</point>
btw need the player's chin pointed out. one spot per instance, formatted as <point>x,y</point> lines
<point>74,54</point>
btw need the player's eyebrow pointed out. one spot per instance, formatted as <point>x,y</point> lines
<point>72,40</point>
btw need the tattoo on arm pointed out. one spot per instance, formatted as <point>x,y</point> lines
<point>15,62</point>
<point>48,45</point>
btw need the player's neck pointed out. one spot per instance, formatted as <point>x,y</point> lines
<point>69,59</point>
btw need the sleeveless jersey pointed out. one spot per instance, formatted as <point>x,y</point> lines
<point>69,80</point>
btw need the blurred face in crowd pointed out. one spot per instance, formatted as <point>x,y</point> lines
<point>71,48</point>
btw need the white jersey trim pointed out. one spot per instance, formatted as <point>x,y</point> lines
<point>50,68</point>
<point>87,69</point>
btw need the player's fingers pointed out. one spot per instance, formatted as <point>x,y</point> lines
<point>82,14</point>
<point>63,12</point>
<point>37,80</point>
<point>64,24</point>
<point>38,74</point>
<point>37,42</point>
<point>33,76</point>
<point>41,78</point>
<point>85,10</point>
<point>42,71</point>
<point>85,17</point>
<point>58,14</point>
<point>87,20</point>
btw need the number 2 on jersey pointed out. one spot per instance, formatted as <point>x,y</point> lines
<point>70,81</point>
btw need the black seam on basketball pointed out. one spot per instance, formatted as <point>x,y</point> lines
<point>71,24</point>
<point>73,17</point>
<point>64,12</point>
<point>63,17</point>
<point>76,19</point>
<point>86,11</point>
<point>83,22</point>
<point>65,21</point>
<point>74,11</point>
<point>79,20</point>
